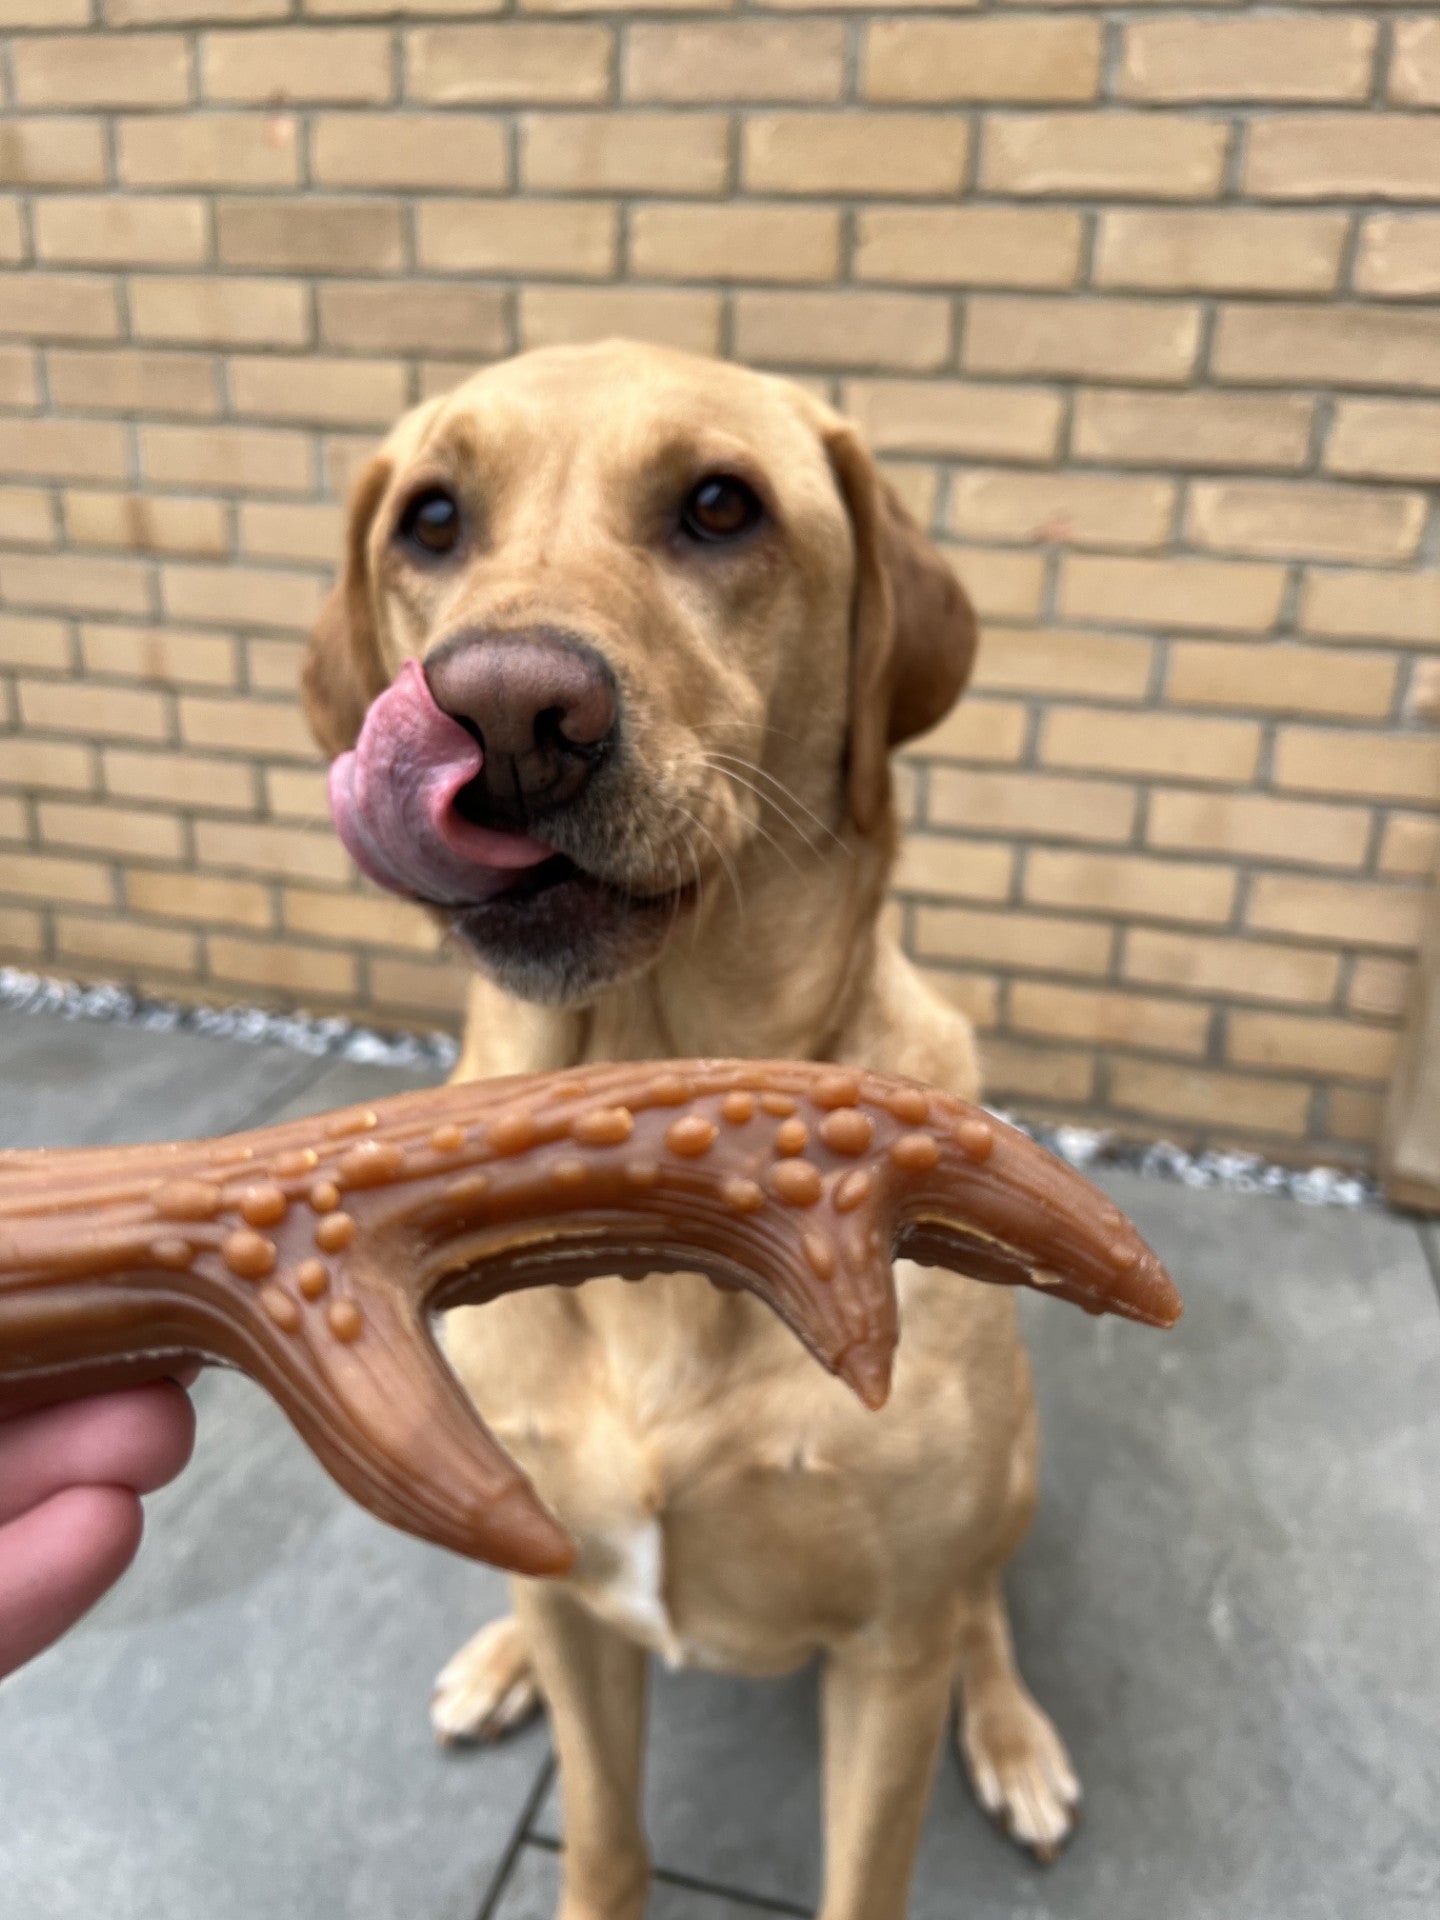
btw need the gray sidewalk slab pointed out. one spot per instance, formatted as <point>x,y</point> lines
<point>1227,1602</point>
<point>532,1892</point>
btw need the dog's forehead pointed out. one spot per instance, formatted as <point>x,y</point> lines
<point>621,402</point>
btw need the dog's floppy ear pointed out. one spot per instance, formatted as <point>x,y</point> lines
<point>913,629</point>
<point>343,671</point>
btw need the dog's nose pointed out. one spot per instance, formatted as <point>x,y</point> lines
<point>544,708</point>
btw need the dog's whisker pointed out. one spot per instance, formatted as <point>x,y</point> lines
<point>789,793</point>
<point>760,828</point>
<point>727,865</point>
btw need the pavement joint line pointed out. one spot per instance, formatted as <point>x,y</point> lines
<point>693,1883</point>
<point>533,1803</point>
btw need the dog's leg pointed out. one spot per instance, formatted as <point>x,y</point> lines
<point>883,1718</point>
<point>488,1689</point>
<point>594,1683</point>
<point>1016,1760</point>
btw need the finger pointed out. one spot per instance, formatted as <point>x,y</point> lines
<point>138,1439</point>
<point>57,1560</point>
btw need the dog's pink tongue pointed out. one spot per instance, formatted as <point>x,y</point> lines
<point>393,803</point>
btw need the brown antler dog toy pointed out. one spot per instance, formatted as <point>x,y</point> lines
<point>309,1255</point>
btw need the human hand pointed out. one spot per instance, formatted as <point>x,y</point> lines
<point>71,1476</point>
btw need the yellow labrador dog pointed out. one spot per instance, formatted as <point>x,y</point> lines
<point>631,635</point>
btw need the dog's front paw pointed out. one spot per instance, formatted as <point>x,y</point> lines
<point>1020,1771</point>
<point>488,1689</point>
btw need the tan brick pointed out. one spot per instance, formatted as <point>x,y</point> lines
<point>1309,519</point>
<point>274,665</point>
<point>854,152</point>
<point>1272,678</point>
<point>933,863</point>
<point>747,60</point>
<point>1014,1071</point>
<point>1354,1115</point>
<point>287,853</point>
<point>1389,765</point>
<point>14,820</point>
<point>131,831</point>
<point>1237,250</point>
<point>49,766</point>
<point>1415,63</point>
<point>512,63</point>
<point>1399,255</point>
<point>1142,428</point>
<point>1330,156</point>
<point>52,151</point>
<point>1102,155</point>
<point>131,230</point>
<point>1053,660</point>
<point>21,932</point>
<point>27,517</point>
<point>1173,744</point>
<point>625,152</point>
<point>199,899</point>
<point>1356,912</point>
<point>342,390</point>
<point>113,943</point>
<point>977,995</point>
<point>296,793</point>
<point>101,70</point>
<point>103,713</point>
<point>279,65</point>
<point>1024,941</point>
<point>1258,826</point>
<point>982,60</point>
<point>291,532</point>
<point>209,150</point>
<point>13,244</point>
<point>52,878</point>
<point>237,313</point>
<point>19,377</point>
<point>453,152</point>
<point>183,779</point>
<point>908,331</point>
<point>284,969</point>
<point>1085,338</point>
<point>1022,804</point>
<point>678,240</point>
<point>1228,1101</point>
<point>1274,58</point>
<point>350,8</point>
<point>1085,510</point>
<point>973,246</point>
<point>262,727</point>
<point>1003,583</point>
<point>948,417</point>
<point>409,985</point>
<point>148,13</point>
<point>1389,439</point>
<point>344,455</point>
<point>1372,606</point>
<point>26,641</point>
<point>1111,1018</point>
<point>917,488</point>
<point>978,729</point>
<point>1352,346</point>
<point>243,459</point>
<point>1410,844</point>
<point>578,239</point>
<point>552,316</point>
<point>240,596</point>
<point>126,381</point>
<point>1230,596</point>
<point>1379,987</point>
<point>160,654</point>
<point>82,585</point>
<point>57,306</point>
<point>1131,886</point>
<point>1290,1040</point>
<point>379,317</point>
<point>311,235</point>
<point>146,523</point>
<point>373,919</point>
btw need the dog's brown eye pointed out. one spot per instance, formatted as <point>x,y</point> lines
<point>720,508</point>
<point>432,521</point>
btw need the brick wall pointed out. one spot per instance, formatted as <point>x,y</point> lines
<point>1139,305</point>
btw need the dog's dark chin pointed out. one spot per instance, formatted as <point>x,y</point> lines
<point>559,936</point>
